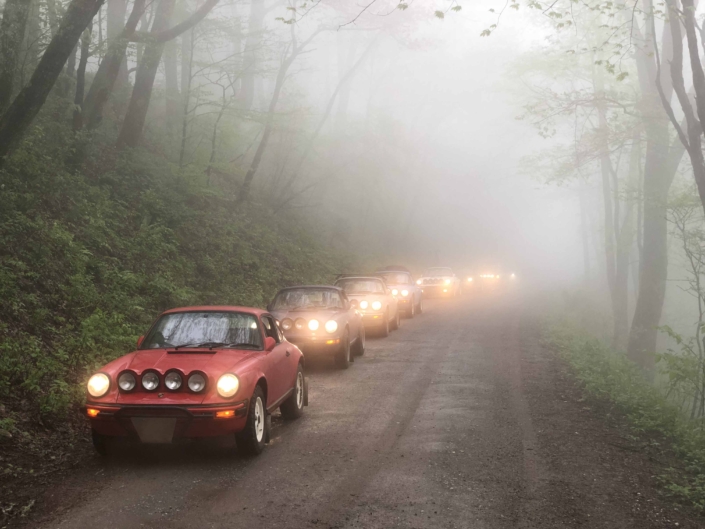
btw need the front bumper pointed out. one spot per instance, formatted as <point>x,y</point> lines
<point>169,422</point>
<point>437,290</point>
<point>316,344</point>
<point>373,320</point>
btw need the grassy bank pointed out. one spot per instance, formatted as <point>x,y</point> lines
<point>609,376</point>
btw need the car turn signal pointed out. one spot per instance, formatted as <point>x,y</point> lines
<point>225,414</point>
<point>92,412</point>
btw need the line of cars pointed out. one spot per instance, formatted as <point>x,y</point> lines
<point>222,370</point>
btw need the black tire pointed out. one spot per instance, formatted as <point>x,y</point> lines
<point>396,321</point>
<point>100,443</point>
<point>359,348</point>
<point>293,407</point>
<point>419,306</point>
<point>252,440</point>
<point>384,330</point>
<point>343,359</point>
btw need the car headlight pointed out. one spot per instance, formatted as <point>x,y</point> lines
<point>98,385</point>
<point>196,382</point>
<point>173,380</point>
<point>228,385</point>
<point>287,324</point>
<point>419,281</point>
<point>150,381</point>
<point>300,324</point>
<point>331,326</point>
<point>313,325</point>
<point>469,279</point>
<point>127,381</point>
<point>395,292</point>
<point>376,305</point>
<point>404,293</point>
<point>364,304</point>
<point>447,281</point>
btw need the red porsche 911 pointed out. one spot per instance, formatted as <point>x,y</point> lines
<point>199,372</point>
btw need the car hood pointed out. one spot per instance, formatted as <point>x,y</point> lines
<point>321,315</point>
<point>212,363</point>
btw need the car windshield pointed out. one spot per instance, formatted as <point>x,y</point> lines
<point>205,329</point>
<point>395,278</point>
<point>438,272</point>
<point>361,286</point>
<point>307,299</point>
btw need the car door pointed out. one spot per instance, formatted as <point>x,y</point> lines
<point>352,316</point>
<point>280,377</point>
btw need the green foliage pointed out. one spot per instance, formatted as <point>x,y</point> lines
<point>87,261</point>
<point>610,376</point>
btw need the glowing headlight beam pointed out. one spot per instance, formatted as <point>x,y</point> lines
<point>376,305</point>
<point>98,385</point>
<point>228,385</point>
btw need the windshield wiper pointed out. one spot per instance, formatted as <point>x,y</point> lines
<point>210,345</point>
<point>241,345</point>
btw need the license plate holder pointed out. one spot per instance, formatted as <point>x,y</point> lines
<point>153,430</point>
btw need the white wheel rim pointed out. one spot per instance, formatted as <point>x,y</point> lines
<point>259,419</point>
<point>299,389</point>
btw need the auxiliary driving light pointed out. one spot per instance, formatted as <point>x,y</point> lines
<point>376,305</point>
<point>404,293</point>
<point>150,381</point>
<point>395,292</point>
<point>447,281</point>
<point>300,323</point>
<point>173,381</point>
<point>314,325</point>
<point>98,385</point>
<point>127,381</point>
<point>331,326</point>
<point>196,382</point>
<point>287,324</point>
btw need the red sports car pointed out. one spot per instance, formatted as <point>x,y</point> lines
<point>200,372</point>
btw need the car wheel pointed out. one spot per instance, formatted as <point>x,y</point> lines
<point>419,307</point>
<point>396,321</point>
<point>343,359</point>
<point>293,407</point>
<point>252,439</point>
<point>100,443</point>
<point>412,310</point>
<point>384,331</point>
<point>360,343</point>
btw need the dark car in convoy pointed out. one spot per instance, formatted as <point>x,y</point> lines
<point>322,321</point>
<point>409,295</point>
<point>199,372</point>
<point>440,281</point>
<point>371,297</point>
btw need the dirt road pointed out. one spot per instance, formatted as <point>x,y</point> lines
<point>459,419</point>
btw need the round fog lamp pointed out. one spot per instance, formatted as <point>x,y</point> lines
<point>173,381</point>
<point>376,305</point>
<point>300,324</point>
<point>127,381</point>
<point>331,326</point>
<point>228,385</point>
<point>150,381</point>
<point>364,304</point>
<point>404,293</point>
<point>98,385</point>
<point>196,382</point>
<point>287,324</point>
<point>314,325</point>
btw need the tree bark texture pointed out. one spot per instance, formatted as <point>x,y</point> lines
<point>81,78</point>
<point>132,126</point>
<point>117,11</point>
<point>253,45</point>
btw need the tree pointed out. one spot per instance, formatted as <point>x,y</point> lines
<point>14,22</point>
<point>20,114</point>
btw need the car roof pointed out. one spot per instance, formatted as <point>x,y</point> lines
<point>393,268</point>
<point>375,278</point>
<point>216,308</point>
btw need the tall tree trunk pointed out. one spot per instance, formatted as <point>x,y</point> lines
<point>20,114</point>
<point>132,126</point>
<point>171,74</point>
<point>584,235</point>
<point>12,30</point>
<point>117,11</point>
<point>253,43</point>
<point>345,61</point>
<point>108,71</point>
<point>81,78</point>
<point>53,16</point>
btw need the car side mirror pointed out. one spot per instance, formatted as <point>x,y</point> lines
<point>269,344</point>
<point>140,340</point>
